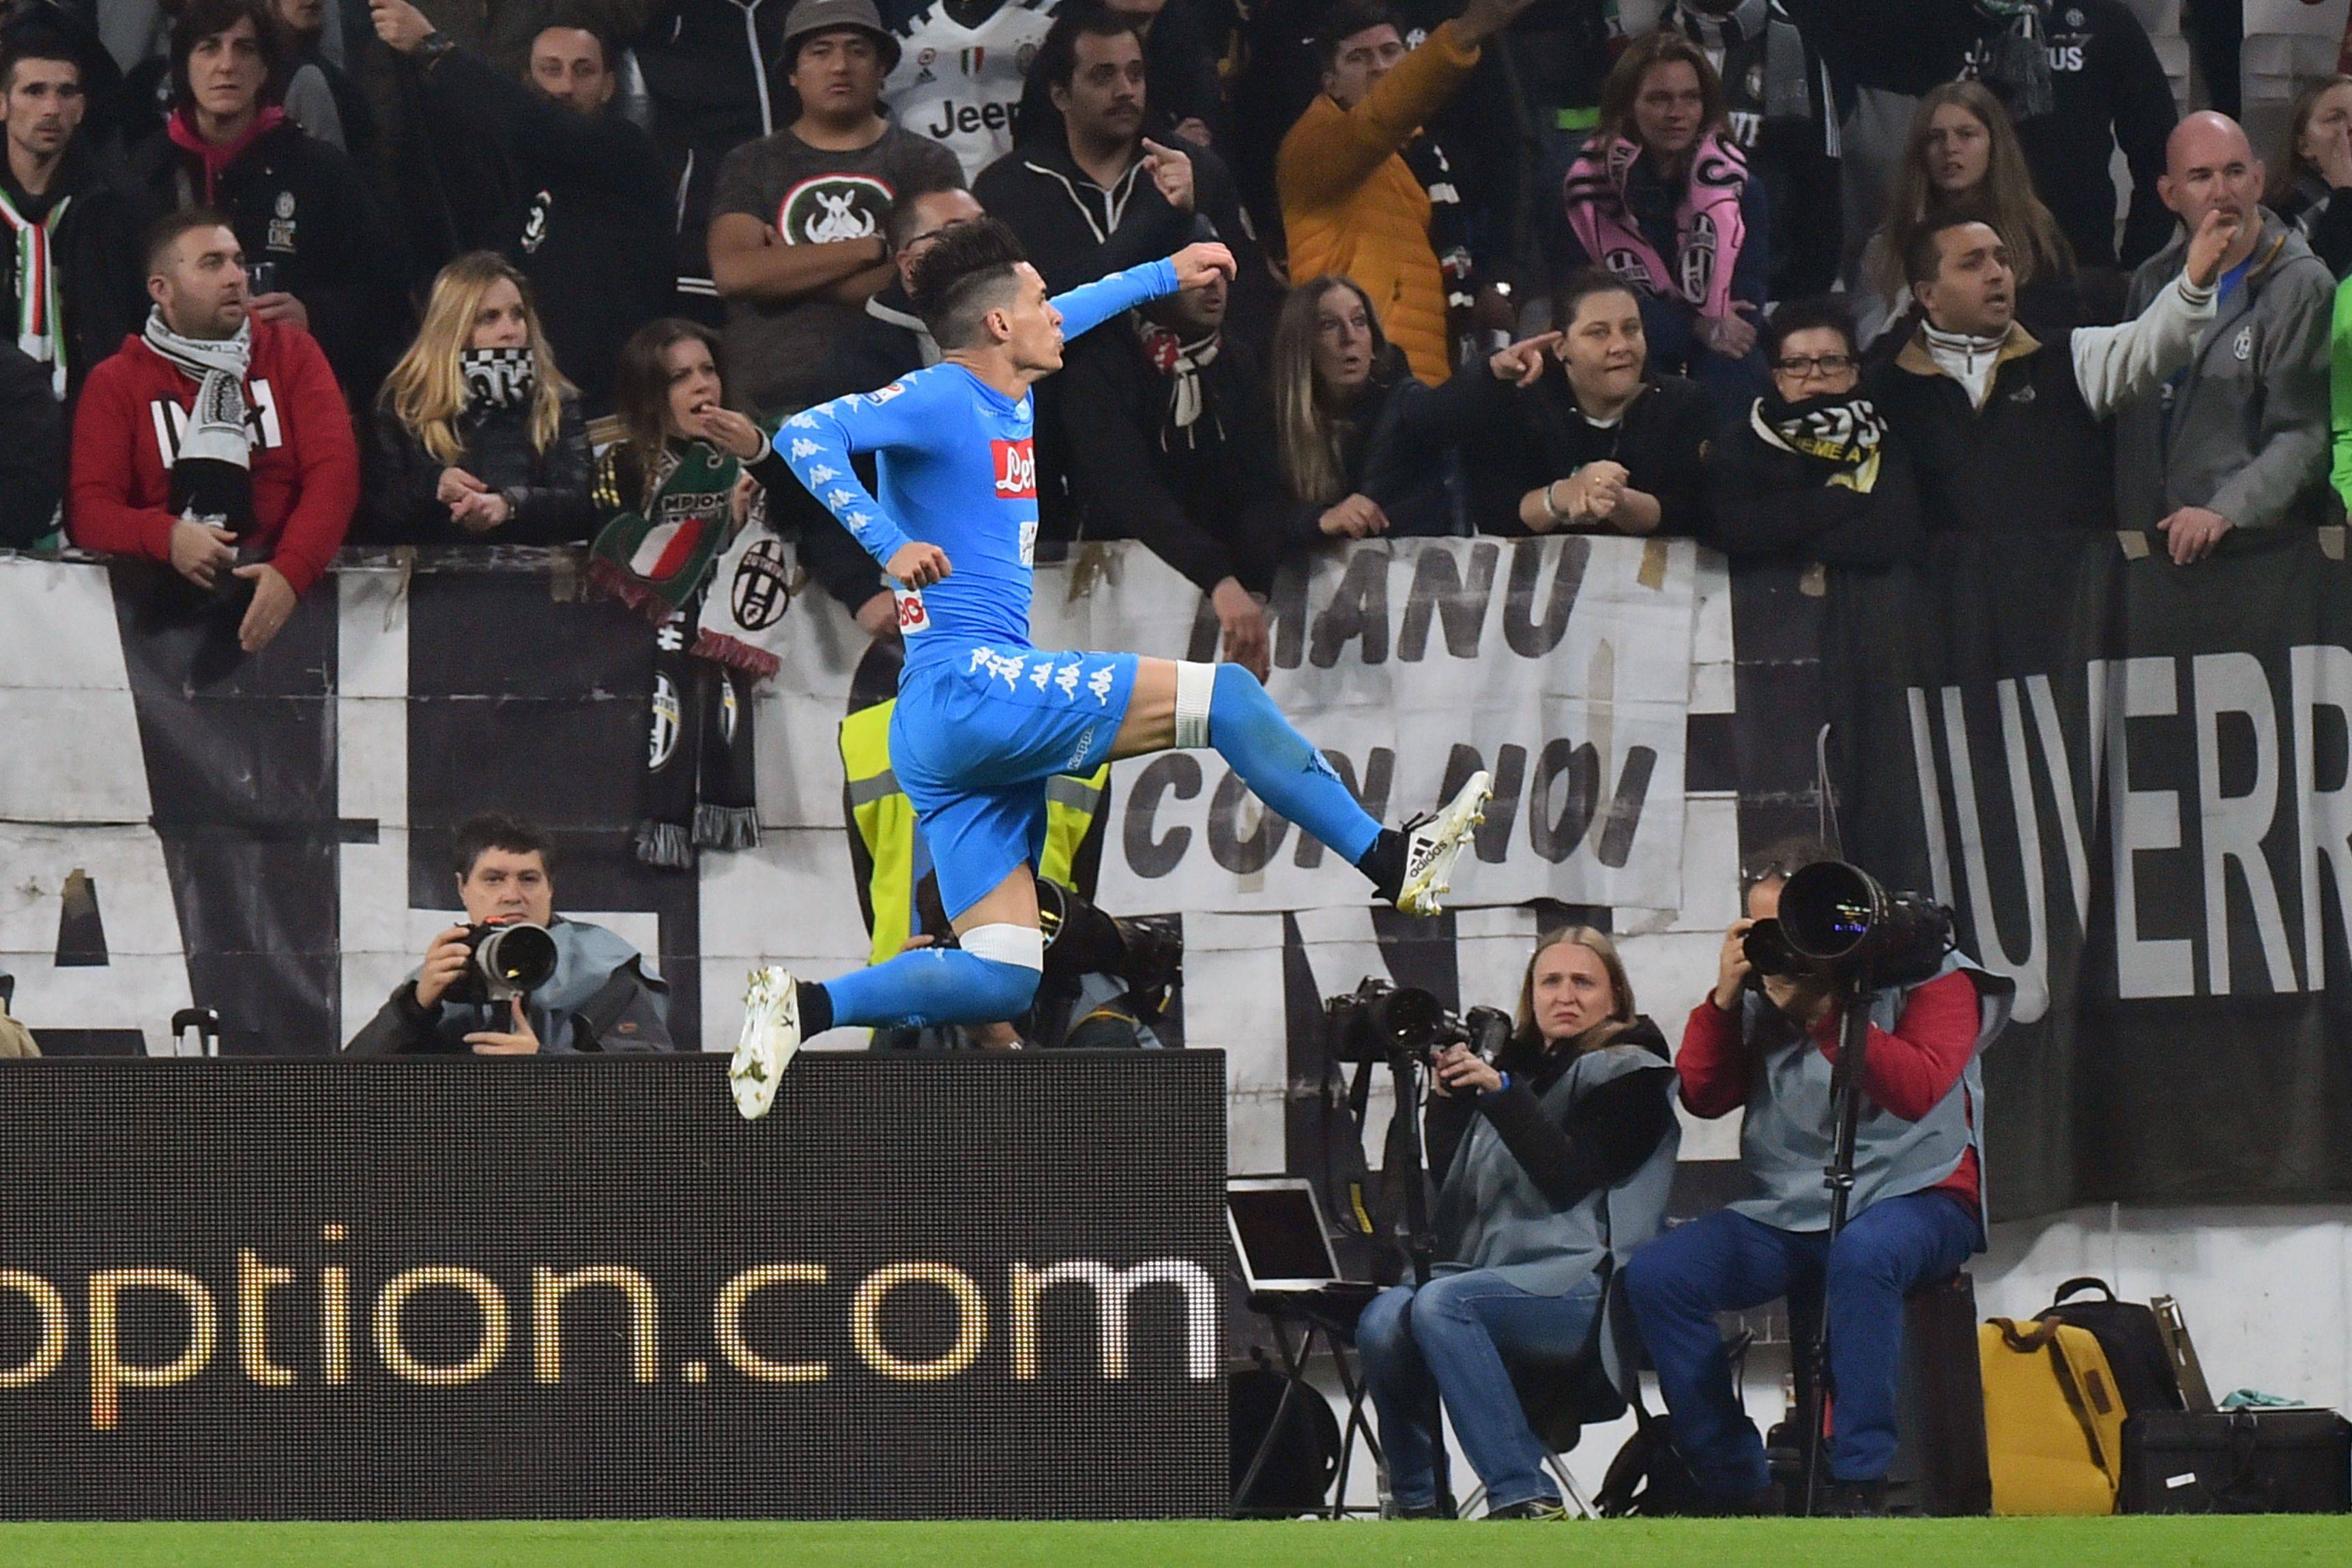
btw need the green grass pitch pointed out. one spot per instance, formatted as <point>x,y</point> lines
<point>1785,1543</point>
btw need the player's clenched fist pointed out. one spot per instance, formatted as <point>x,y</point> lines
<point>918,566</point>
<point>1196,264</point>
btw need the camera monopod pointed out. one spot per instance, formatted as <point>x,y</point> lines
<point>1864,938</point>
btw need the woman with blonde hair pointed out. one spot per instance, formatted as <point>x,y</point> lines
<point>1340,392</point>
<point>479,437</point>
<point>2312,168</point>
<point>1962,154</point>
<point>1552,1164</point>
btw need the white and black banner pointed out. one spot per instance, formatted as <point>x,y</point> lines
<point>1564,667</point>
<point>2132,783</point>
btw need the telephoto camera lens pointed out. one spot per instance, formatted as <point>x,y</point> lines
<point>1377,1020</point>
<point>1839,916</point>
<point>512,960</point>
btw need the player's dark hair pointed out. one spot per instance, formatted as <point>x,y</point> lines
<point>499,830</point>
<point>1344,21</point>
<point>963,277</point>
<point>1058,52</point>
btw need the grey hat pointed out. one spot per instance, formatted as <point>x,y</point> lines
<point>826,15</point>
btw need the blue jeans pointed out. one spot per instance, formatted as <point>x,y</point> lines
<point>1452,1337</point>
<point>1728,1262</point>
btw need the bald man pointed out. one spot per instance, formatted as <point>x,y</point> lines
<point>2240,438</point>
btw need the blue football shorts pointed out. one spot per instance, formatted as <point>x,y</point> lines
<point>974,739</point>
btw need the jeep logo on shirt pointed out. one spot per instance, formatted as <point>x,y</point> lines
<point>962,118</point>
<point>1016,469</point>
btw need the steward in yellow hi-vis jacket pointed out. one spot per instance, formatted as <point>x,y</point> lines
<point>884,822</point>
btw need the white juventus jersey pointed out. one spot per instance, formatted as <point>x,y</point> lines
<point>960,85</point>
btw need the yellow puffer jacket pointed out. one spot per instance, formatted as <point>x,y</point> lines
<point>1349,205</point>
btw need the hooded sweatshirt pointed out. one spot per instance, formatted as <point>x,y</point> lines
<point>2243,430</point>
<point>306,463</point>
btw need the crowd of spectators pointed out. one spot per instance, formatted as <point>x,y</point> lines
<point>1811,279</point>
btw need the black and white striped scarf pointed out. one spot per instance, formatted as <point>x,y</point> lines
<point>499,378</point>
<point>212,471</point>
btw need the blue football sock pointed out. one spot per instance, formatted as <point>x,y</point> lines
<point>933,985</point>
<point>1282,767</point>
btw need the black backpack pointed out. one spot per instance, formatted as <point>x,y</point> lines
<point>1304,1455</point>
<point>2134,1343</point>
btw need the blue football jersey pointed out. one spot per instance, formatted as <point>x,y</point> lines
<point>956,465</point>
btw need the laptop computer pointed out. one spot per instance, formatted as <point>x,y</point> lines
<point>1280,1242</point>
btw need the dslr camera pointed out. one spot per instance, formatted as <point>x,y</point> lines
<point>508,961</point>
<point>1378,1022</point>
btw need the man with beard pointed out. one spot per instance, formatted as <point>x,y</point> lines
<point>2005,428</point>
<point>72,271</point>
<point>1091,193</point>
<point>260,466</point>
<point>587,216</point>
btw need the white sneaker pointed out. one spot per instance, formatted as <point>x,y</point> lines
<point>772,1034</point>
<point>1432,843</point>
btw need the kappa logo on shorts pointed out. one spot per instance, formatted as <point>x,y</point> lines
<point>1016,469</point>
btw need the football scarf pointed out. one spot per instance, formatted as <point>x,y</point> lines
<point>664,528</point>
<point>1837,438</point>
<point>38,330</point>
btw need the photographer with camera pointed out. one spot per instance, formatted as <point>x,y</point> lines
<point>1553,1161</point>
<point>1767,1040</point>
<point>518,979</point>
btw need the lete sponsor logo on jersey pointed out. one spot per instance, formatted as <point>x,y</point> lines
<point>1016,469</point>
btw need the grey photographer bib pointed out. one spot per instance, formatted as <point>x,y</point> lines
<point>586,957</point>
<point>1789,1131</point>
<point>1491,1215</point>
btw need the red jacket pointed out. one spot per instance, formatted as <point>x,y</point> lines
<point>306,467</point>
<point>1906,1072</point>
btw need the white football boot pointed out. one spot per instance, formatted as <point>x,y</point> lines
<point>772,1034</point>
<point>1433,843</point>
